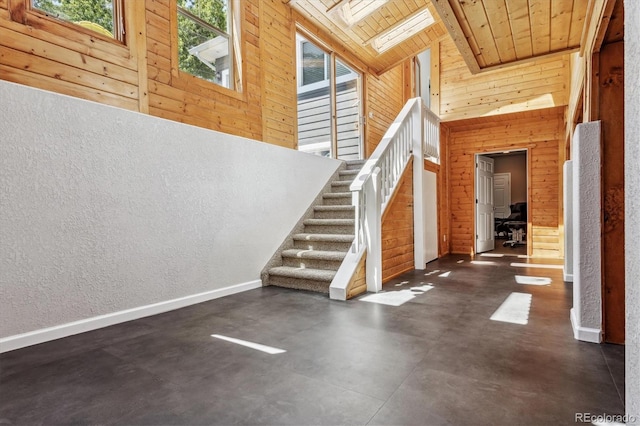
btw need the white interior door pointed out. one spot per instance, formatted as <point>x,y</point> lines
<point>501,194</point>
<point>485,239</point>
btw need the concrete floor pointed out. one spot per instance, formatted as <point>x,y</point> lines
<point>436,359</point>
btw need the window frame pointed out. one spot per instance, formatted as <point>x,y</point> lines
<point>236,76</point>
<point>301,39</point>
<point>119,23</point>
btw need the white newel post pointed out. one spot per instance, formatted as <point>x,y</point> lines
<point>417,141</point>
<point>373,231</point>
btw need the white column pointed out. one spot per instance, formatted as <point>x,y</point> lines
<point>586,315</point>
<point>568,220</point>
<point>418,188</point>
<point>632,206</point>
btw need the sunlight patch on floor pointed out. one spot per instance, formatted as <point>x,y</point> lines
<point>445,274</point>
<point>515,309</point>
<point>536,265</point>
<point>423,288</point>
<point>483,262</point>
<point>252,345</point>
<point>523,279</point>
<point>396,298</point>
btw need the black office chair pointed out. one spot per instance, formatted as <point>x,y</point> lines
<point>516,223</point>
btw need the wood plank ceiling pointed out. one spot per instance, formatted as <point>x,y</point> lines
<point>495,33</point>
<point>489,33</point>
<point>357,24</point>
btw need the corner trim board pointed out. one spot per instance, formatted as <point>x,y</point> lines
<point>76,327</point>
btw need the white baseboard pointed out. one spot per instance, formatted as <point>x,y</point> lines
<point>64,330</point>
<point>567,277</point>
<point>585,334</point>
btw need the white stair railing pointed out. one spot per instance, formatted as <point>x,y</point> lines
<point>416,131</point>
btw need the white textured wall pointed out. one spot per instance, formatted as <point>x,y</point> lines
<point>632,203</point>
<point>567,198</point>
<point>104,210</point>
<point>587,301</point>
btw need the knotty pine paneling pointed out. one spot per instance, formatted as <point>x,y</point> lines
<point>397,229</point>
<point>384,101</point>
<point>42,52</point>
<point>542,132</point>
<point>358,283</point>
<point>278,53</point>
<point>182,97</point>
<point>533,85</point>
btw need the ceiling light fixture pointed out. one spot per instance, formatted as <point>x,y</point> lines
<point>403,31</point>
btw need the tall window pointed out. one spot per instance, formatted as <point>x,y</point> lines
<point>329,107</point>
<point>102,16</point>
<point>205,47</point>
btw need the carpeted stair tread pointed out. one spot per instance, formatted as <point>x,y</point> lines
<point>303,273</point>
<point>351,172</point>
<point>314,254</point>
<point>332,238</point>
<point>337,195</point>
<point>330,222</point>
<point>338,208</point>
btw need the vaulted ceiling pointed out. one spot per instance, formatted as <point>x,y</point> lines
<point>488,33</point>
<point>372,30</point>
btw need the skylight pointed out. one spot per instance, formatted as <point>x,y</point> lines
<point>356,10</point>
<point>406,29</point>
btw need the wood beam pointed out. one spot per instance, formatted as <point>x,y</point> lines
<point>595,25</point>
<point>449,19</point>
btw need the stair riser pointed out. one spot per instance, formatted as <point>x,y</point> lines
<point>340,187</point>
<point>346,178</point>
<point>342,201</point>
<point>328,265</point>
<point>328,229</point>
<point>300,284</point>
<point>322,214</point>
<point>321,245</point>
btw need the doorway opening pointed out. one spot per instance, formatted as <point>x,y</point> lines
<point>502,210</point>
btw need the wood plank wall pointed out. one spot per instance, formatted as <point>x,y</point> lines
<point>542,132</point>
<point>397,229</point>
<point>384,100</point>
<point>43,52</point>
<point>183,97</point>
<point>611,113</point>
<point>278,68</point>
<point>142,74</point>
<point>534,85</point>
